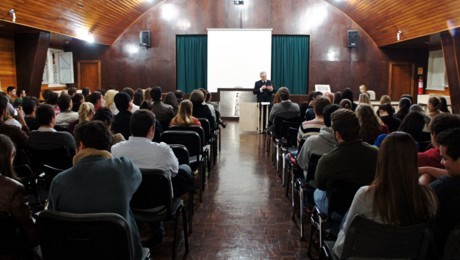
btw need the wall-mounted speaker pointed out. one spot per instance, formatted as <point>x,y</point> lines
<point>144,38</point>
<point>352,36</point>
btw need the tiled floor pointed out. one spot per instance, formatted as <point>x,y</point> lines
<point>244,214</point>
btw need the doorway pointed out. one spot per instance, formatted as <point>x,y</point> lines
<point>401,80</point>
<point>89,74</point>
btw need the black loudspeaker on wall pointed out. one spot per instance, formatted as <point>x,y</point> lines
<point>144,38</point>
<point>352,38</point>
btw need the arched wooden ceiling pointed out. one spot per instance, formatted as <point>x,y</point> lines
<point>107,19</point>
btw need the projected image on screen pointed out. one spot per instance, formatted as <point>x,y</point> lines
<point>237,56</point>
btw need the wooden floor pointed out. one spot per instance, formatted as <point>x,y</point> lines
<point>244,214</point>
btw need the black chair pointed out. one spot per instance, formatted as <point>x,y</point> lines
<point>27,178</point>
<point>192,141</point>
<point>85,236</point>
<point>183,156</point>
<point>302,191</point>
<point>340,195</point>
<point>58,158</point>
<point>154,202</point>
<point>211,140</point>
<point>368,239</point>
<point>452,247</point>
<point>13,243</point>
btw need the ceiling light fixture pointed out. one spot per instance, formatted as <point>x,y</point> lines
<point>12,13</point>
<point>398,35</point>
<point>238,2</point>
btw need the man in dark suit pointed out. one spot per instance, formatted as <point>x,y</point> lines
<point>264,88</point>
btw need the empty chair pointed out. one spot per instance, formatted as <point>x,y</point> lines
<point>86,236</point>
<point>154,202</point>
<point>368,239</point>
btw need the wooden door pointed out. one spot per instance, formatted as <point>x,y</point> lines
<point>89,74</point>
<point>401,80</point>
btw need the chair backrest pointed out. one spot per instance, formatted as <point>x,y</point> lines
<point>371,94</point>
<point>368,239</point>
<point>206,128</point>
<point>154,195</point>
<point>452,247</point>
<point>340,196</point>
<point>84,236</point>
<point>312,163</point>
<point>277,122</point>
<point>195,128</point>
<point>60,157</point>
<point>181,152</point>
<point>284,131</point>
<point>12,240</point>
<point>189,139</point>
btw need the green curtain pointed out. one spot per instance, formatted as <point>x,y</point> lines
<point>191,62</point>
<point>290,62</point>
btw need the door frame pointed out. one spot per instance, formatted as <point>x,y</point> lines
<point>390,77</point>
<point>98,62</point>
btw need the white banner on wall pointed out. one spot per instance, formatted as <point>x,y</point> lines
<point>237,56</point>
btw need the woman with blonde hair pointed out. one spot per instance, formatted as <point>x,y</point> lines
<point>184,115</point>
<point>394,197</point>
<point>364,99</point>
<point>385,99</point>
<point>109,100</point>
<point>85,114</point>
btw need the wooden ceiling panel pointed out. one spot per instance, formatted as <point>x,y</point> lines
<point>106,19</point>
<point>415,18</point>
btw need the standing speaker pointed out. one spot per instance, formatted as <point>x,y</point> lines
<point>352,38</point>
<point>144,38</point>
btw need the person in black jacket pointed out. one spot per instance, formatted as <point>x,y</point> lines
<point>264,88</point>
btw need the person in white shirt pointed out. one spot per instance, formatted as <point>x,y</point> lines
<point>146,154</point>
<point>66,116</point>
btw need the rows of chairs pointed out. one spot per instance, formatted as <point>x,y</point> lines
<point>365,239</point>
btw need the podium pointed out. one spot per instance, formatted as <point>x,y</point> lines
<point>254,116</point>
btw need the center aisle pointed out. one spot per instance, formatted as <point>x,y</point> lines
<point>244,214</point>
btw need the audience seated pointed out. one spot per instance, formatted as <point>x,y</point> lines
<point>394,197</point>
<point>348,94</point>
<point>364,99</point>
<point>370,124</point>
<point>85,114</point>
<point>105,115</point>
<point>352,160</point>
<point>96,99</point>
<point>13,197</point>
<point>414,124</point>
<point>211,107</point>
<point>309,113</point>
<point>179,95</point>
<point>17,135</point>
<point>163,112</point>
<point>184,115</point>
<point>434,106</point>
<point>138,97</point>
<point>122,119</point>
<point>404,105</point>
<point>208,98</point>
<point>345,103</point>
<point>130,92</point>
<point>29,106</point>
<point>109,101</point>
<point>77,99</point>
<point>66,116</point>
<point>448,187</point>
<point>97,182</point>
<point>46,137</point>
<point>385,99</point>
<point>285,109</point>
<point>319,144</point>
<point>147,96</point>
<point>313,126</point>
<point>386,113</point>
<point>201,110</point>
<point>170,99</point>
<point>430,162</point>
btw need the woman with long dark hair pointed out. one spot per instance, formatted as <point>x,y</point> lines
<point>394,197</point>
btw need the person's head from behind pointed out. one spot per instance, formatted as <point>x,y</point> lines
<point>347,94</point>
<point>138,97</point>
<point>29,105</point>
<point>345,125</point>
<point>96,99</point>
<point>404,104</point>
<point>441,123</point>
<point>72,91</point>
<point>320,104</point>
<point>179,95</point>
<point>45,115</point>
<point>85,92</point>
<point>399,199</point>
<point>77,99</point>
<point>156,93</point>
<point>147,95</point>
<point>197,96</point>
<point>185,108</point>
<point>284,93</point>
<point>327,112</point>
<point>122,101</point>
<point>130,92</point>
<point>52,98</point>
<point>345,103</point>
<point>385,99</point>
<point>93,134</point>
<point>365,113</point>
<point>64,102</point>
<point>337,97</point>
<point>413,124</point>
<point>416,108</point>
<point>104,114</point>
<point>449,148</point>
<point>434,103</point>
<point>3,106</point>
<point>85,112</point>
<point>7,156</point>
<point>364,98</point>
<point>109,97</point>
<point>386,109</point>
<point>171,99</point>
<point>142,124</point>
<point>444,108</point>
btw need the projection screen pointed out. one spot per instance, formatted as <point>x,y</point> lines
<point>237,56</point>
